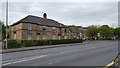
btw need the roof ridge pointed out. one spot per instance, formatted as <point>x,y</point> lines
<point>39,20</point>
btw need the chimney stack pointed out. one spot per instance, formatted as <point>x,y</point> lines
<point>45,16</point>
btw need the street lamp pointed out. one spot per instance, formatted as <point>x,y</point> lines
<point>80,35</point>
<point>98,35</point>
<point>6,24</point>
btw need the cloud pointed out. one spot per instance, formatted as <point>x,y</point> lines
<point>68,13</point>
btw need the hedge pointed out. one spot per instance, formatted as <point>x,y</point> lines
<point>30,43</point>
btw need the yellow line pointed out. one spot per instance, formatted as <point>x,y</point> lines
<point>110,64</point>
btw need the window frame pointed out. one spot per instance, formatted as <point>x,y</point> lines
<point>44,36</point>
<point>44,28</point>
<point>29,26</point>
<point>38,36</point>
<point>54,37</point>
<point>30,35</point>
<point>53,29</point>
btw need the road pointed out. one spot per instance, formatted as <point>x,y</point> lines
<point>92,54</point>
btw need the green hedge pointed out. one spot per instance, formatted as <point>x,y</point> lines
<point>30,43</point>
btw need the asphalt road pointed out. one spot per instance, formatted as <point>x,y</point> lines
<point>93,54</point>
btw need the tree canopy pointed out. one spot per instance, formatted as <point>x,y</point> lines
<point>106,31</point>
<point>92,31</point>
<point>74,27</point>
<point>117,32</point>
<point>2,30</point>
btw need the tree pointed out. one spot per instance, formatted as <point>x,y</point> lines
<point>2,30</point>
<point>92,31</point>
<point>106,32</point>
<point>117,32</point>
<point>74,27</point>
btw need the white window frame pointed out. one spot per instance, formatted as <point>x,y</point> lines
<point>38,37</point>
<point>65,37</point>
<point>59,37</point>
<point>44,27</point>
<point>29,26</point>
<point>53,29</point>
<point>29,37</point>
<point>44,37</point>
<point>54,36</point>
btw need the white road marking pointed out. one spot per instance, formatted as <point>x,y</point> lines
<point>33,57</point>
<point>90,48</point>
<point>53,62</point>
<point>69,51</point>
<point>22,60</point>
<point>36,57</point>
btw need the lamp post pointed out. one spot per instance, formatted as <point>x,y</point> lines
<point>6,24</point>
<point>80,35</point>
<point>98,35</point>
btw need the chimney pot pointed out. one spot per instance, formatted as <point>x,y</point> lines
<point>45,15</point>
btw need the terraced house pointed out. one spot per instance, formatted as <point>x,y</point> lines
<point>33,27</point>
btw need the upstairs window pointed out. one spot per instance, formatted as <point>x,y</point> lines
<point>29,26</point>
<point>44,28</point>
<point>53,29</point>
<point>65,30</point>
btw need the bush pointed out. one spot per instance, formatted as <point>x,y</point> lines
<point>14,43</point>
<point>30,43</point>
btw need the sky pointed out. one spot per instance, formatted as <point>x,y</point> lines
<point>69,13</point>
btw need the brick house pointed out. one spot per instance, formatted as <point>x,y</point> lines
<point>33,27</point>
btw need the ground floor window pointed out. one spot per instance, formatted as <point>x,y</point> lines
<point>44,37</point>
<point>65,37</point>
<point>54,36</point>
<point>59,37</point>
<point>29,36</point>
<point>38,36</point>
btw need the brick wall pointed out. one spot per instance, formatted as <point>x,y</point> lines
<point>22,32</point>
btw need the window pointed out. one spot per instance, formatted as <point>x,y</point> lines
<point>53,29</point>
<point>29,36</point>
<point>65,37</point>
<point>65,30</point>
<point>59,37</point>
<point>44,36</point>
<point>29,26</point>
<point>44,28</point>
<point>54,36</point>
<point>38,36</point>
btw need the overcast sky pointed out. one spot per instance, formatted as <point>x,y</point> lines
<point>68,13</point>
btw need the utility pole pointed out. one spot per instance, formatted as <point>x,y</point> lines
<point>6,24</point>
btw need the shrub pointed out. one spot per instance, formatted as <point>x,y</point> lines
<point>29,43</point>
<point>14,43</point>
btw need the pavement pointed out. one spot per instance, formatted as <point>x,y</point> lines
<point>39,47</point>
<point>89,54</point>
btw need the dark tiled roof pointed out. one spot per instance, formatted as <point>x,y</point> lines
<point>73,30</point>
<point>76,26</point>
<point>40,21</point>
